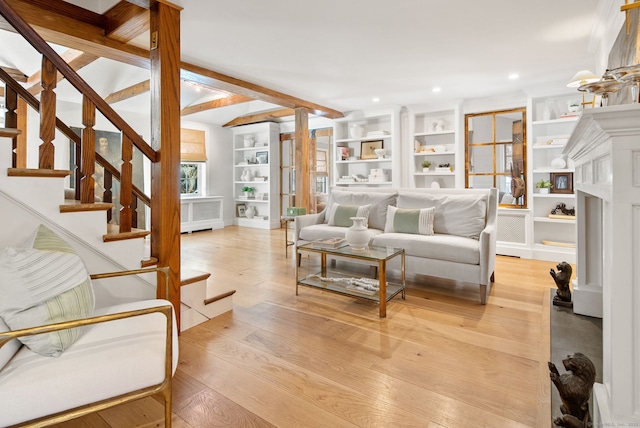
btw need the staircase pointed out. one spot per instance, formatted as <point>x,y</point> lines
<point>29,199</point>
<point>33,192</point>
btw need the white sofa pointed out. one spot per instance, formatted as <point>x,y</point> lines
<point>462,247</point>
<point>63,354</point>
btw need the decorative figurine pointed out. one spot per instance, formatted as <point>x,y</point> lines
<point>562,279</point>
<point>574,388</point>
<point>562,208</point>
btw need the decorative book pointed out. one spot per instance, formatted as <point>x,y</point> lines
<point>335,242</point>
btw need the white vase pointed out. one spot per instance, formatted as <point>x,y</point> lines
<point>358,235</point>
<point>543,190</point>
<point>250,212</point>
<point>356,131</point>
<point>558,162</point>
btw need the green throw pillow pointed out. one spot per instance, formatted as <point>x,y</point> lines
<point>340,215</point>
<point>42,283</point>
<point>414,221</point>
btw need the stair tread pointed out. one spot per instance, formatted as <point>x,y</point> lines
<point>9,132</point>
<point>36,172</point>
<point>114,234</point>
<point>72,205</point>
<point>189,276</point>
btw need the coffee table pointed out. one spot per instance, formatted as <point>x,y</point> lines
<point>376,256</point>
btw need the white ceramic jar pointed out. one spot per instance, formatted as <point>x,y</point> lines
<point>358,234</point>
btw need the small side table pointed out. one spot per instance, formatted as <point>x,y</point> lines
<point>286,219</point>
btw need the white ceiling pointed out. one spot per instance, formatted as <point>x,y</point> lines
<point>342,54</point>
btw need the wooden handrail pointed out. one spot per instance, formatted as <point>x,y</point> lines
<point>41,46</point>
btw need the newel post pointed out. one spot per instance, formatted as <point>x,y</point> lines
<point>165,140</point>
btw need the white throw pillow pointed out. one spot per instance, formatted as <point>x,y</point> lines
<point>42,285</point>
<point>407,220</point>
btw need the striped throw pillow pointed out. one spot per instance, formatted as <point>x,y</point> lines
<point>44,284</point>
<point>405,220</point>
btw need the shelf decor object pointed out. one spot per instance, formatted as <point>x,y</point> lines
<point>629,75</point>
<point>562,182</point>
<point>604,87</point>
<point>368,149</point>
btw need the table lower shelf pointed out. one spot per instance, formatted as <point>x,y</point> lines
<point>393,289</point>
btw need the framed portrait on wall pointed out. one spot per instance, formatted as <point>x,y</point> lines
<point>109,145</point>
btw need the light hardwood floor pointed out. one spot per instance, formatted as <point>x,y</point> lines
<point>439,359</point>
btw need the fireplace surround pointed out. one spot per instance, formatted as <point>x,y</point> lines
<point>605,148</point>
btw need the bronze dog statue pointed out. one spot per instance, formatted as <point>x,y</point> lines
<point>574,388</point>
<point>562,279</point>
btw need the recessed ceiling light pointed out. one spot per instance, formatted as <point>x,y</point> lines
<point>376,100</point>
<point>514,76</point>
<point>436,89</point>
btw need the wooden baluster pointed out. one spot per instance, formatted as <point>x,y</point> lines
<point>11,121</point>
<point>107,196</point>
<point>47,114</point>
<point>87,167</point>
<point>21,147</point>
<point>134,212</point>
<point>126,188</point>
<point>78,175</point>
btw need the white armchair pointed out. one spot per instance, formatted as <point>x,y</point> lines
<point>126,352</point>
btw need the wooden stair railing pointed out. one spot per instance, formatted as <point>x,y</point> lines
<point>52,63</point>
<point>165,115</point>
<point>13,90</point>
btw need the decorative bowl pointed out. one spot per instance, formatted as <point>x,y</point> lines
<point>380,153</point>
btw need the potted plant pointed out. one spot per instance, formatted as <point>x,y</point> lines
<point>425,166</point>
<point>543,186</point>
<point>247,191</point>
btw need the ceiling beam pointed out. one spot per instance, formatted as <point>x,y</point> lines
<point>16,74</point>
<point>126,21</point>
<point>217,103</point>
<point>70,10</point>
<point>227,83</point>
<point>56,26</point>
<point>130,92</point>
<point>76,60</point>
<point>261,117</point>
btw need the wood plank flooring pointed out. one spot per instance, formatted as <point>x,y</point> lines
<point>439,359</point>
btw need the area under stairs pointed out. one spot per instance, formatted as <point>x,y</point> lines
<point>29,198</point>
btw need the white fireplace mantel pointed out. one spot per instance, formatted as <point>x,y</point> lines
<point>605,147</point>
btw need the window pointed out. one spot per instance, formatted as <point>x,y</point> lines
<point>192,178</point>
<point>495,154</point>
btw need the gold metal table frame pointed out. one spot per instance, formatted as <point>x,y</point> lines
<point>377,256</point>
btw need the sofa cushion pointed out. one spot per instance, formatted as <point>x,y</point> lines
<point>42,285</point>
<point>323,231</point>
<point>438,247</point>
<point>405,220</point>
<point>109,359</point>
<point>378,201</point>
<point>340,215</point>
<point>461,215</point>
